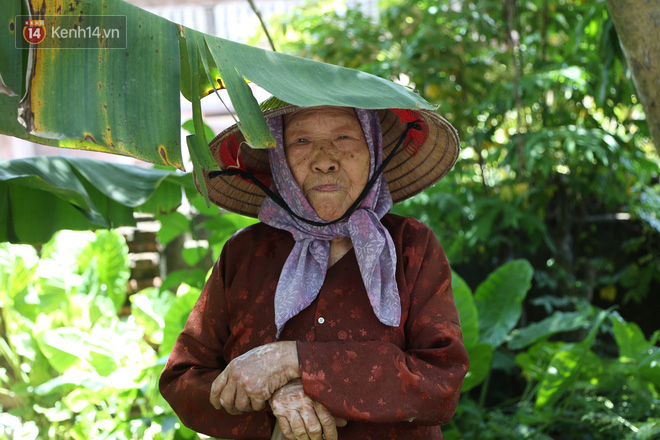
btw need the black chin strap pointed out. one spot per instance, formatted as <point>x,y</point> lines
<point>280,201</point>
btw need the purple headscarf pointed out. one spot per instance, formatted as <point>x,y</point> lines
<point>304,271</point>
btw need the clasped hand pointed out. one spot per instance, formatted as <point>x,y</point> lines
<point>250,380</point>
<point>269,374</point>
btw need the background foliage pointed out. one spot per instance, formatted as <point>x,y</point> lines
<point>550,218</point>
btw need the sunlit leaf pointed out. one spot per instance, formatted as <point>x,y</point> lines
<point>499,300</point>
<point>467,311</point>
<point>481,358</point>
<point>555,323</point>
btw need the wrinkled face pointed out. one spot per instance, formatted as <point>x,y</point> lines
<point>328,156</point>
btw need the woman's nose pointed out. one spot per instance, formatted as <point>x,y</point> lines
<point>325,158</point>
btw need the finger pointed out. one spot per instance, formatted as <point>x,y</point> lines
<point>216,389</point>
<point>327,421</point>
<point>312,423</point>
<point>257,404</point>
<point>340,422</point>
<point>242,401</point>
<point>228,397</point>
<point>285,427</point>
<point>298,426</point>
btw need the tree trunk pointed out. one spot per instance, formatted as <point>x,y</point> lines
<point>638,24</point>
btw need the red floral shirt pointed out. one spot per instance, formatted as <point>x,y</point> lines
<point>389,382</point>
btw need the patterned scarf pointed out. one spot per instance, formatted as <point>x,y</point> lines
<point>304,271</point>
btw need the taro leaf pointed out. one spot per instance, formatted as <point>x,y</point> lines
<point>466,310</point>
<point>566,365</point>
<point>629,337</point>
<point>649,366</point>
<point>481,357</point>
<point>556,323</point>
<point>562,369</point>
<point>499,300</point>
<point>63,347</point>
<point>149,308</point>
<point>109,253</point>
<point>176,317</point>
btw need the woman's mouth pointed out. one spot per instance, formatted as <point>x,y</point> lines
<point>330,187</point>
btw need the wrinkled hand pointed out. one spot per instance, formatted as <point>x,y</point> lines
<point>301,418</point>
<point>249,380</point>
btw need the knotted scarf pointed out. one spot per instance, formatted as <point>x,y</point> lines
<point>305,269</point>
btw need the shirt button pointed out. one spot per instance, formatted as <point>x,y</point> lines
<point>321,320</point>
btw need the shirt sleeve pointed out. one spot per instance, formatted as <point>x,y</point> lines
<point>379,382</point>
<point>194,363</point>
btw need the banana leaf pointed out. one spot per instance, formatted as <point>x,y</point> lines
<point>41,195</point>
<point>126,101</point>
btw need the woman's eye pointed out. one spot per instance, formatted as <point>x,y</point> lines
<point>301,140</point>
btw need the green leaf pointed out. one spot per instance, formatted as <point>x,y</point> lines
<point>176,317</point>
<point>563,371</point>
<point>481,357</point>
<point>42,195</point>
<point>102,99</point>
<point>629,338</point>
<point>149,308</point>
<point>649,366</point>
<point>171,226</point>
<point>467,311</point>
<point>556,323</point>
<point>307,83</point>
<point>499,300</point>
<point>194,255</point>
<point>109,254</point>
<point>252,123</point>
<point>63,347</point>
<point>189,126</point>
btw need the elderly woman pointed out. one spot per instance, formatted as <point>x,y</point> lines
<point>331,317</point>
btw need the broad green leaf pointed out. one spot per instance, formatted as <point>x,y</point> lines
<point>194,255</point>
<point>129,185</point>
<point>109,254</point>
<point>176,317</point>
<point>198,150</point>
<point>192,277</point>
<point>102,360</point>
<point>44,194</point>
<point>305,82</point>
<point>467,311</point>
<point>149,308</point>
<point>556,323</point>
<point>649,366</point>
<point>73,377</point>
<point>189,126</point>
<point>629,338</point>
<point>481,358</point>
<point>499,300</point>
<point>252,123</point>
<point>118,100</point>
<point>562,372</point>
<point>203,154</point>
<point>171,226</point>
<point>567,363</point>
<point>63,347</point>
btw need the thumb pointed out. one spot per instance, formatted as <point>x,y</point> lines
<point>340,422</point>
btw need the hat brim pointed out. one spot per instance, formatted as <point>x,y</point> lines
<point>408,173</point>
